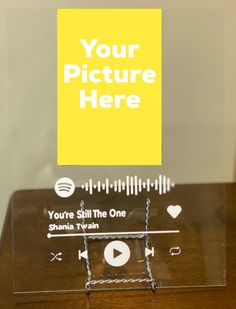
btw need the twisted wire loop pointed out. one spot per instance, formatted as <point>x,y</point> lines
<point>150,278</point>
<point>110,281</point>
<point>88,268</point>
<point>147,259</point>
<point>130,236</point>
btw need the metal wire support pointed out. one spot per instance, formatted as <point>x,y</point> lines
<point>147,259</point>
<point>144,236</point>
<point>88,268</point>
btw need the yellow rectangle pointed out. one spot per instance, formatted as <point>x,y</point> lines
<point>109,87</point>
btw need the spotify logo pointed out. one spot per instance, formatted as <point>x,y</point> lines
<point>64,187</point>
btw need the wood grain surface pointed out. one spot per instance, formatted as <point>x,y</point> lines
<point>221,297</point>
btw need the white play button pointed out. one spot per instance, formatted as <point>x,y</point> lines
<point>117,253</point>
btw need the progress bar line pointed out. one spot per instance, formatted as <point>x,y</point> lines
<point>49,235</point>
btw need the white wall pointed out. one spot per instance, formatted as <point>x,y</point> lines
<point>199,98</point>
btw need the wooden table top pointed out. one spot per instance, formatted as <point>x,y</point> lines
<point>220,297</point>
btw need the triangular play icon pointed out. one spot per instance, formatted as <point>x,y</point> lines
<point>116,253</point>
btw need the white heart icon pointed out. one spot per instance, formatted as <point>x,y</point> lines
<point>174,210</point>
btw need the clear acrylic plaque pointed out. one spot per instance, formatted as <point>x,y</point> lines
<point>147,239</point>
